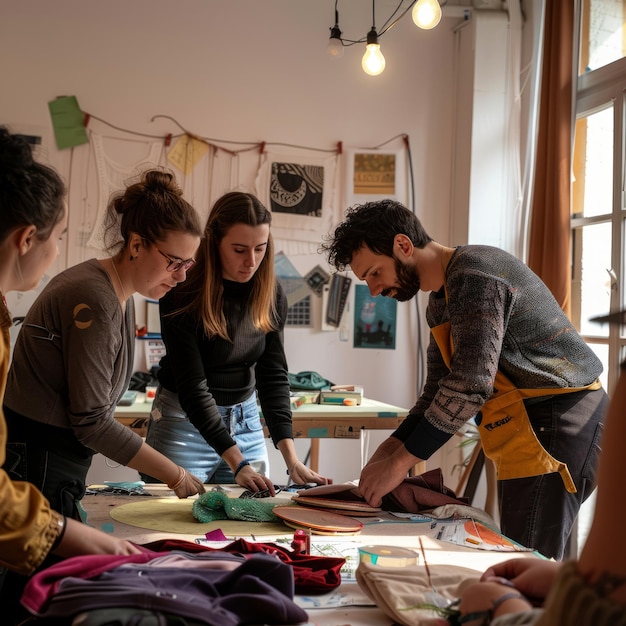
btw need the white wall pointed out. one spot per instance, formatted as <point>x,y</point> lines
<point>251,71</point>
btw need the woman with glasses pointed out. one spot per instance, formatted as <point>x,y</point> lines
<point>73,358</point>
<point>223,334</point>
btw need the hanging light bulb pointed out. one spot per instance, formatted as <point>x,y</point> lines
<point>373,62</point>
<point>426,14</point>
<point>335,45</point>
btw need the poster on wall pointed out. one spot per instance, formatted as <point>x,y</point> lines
<point>296,189</point>
<point>296,289</point>
<point>374,320</point>
<point>375,174</point>
<point>300,190</point>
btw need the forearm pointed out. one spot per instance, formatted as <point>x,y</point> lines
<point>385,449</point>
<point>79,539</point>
<point>298,472</point>
<point>404,460</point>
<point>149,461</point>
<point>233,457</point>
<point>288,450</point>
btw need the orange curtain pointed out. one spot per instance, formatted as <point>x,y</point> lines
<point>549,253</point>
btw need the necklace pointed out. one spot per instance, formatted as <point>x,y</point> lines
<point>119,280</point>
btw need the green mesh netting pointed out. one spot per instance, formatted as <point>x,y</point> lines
<point>216,505</point>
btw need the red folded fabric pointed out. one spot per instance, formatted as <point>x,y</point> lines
<point>313,575</point>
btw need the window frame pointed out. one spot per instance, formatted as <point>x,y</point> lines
<point>597,89</point>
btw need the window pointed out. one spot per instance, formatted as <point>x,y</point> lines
<point>598,203</point>
<point>602,33</point>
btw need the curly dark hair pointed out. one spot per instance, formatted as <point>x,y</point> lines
<point>374,224</point>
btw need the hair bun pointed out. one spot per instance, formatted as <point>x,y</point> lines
<point>15,152</point>
<point>161,182</point>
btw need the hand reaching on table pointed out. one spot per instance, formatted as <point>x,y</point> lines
<point>300,474</point>
<point>79,539</point>
<point>378,479</point>
<point>385,471</point>
<point>532,577</point>
<point>187,484</point>
<point>250,479</point>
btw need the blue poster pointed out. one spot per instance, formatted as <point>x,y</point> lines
<point>374,320</point>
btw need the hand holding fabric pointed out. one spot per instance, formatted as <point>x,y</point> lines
<point>378,479</point>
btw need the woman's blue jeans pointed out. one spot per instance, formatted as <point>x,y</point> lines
<point>173,435</point>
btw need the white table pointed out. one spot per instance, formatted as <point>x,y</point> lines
<point>310,421</point>
<point>386,530</point>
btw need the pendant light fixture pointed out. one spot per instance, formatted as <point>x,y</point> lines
<point>373,61</point>
<point>334,49</point>
<point>425,13</point>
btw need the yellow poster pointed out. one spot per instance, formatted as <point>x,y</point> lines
<point>374,173</point>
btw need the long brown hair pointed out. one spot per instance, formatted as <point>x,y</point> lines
<point>205,278</point>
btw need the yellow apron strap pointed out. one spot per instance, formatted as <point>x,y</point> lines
<point>507,436</point>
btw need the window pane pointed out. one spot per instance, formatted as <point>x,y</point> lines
<point>595,279</point>
<point>602,352</point>
<point>602,37</point>
<point>593,167</point>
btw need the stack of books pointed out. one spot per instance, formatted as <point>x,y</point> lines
<point>298,398</point>
<point>349,395</point>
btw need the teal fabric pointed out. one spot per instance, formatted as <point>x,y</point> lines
<point>308,380</point>
<point>216,505</point>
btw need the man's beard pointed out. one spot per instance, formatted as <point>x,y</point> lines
<point>408,282</point>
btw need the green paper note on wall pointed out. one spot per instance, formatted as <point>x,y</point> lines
<point>68,122</point>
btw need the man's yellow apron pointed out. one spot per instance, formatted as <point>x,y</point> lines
<point>505,431</point>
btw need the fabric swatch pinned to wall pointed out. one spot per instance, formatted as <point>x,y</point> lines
<point>68,122</point>
<point>112,175</point>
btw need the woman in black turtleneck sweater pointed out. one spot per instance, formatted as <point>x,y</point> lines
<point>223,333</point>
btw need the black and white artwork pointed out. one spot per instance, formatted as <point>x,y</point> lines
<point>297,189</point>
<point>301,191</point>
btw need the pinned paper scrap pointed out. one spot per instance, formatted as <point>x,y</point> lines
<point>68,122</point>
<point>292,282</point>
<point>316,279</point>
<point>187,153</point>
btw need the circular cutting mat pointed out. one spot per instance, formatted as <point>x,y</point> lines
<point>355,509</point>
<point>172,515</point>
<point>316,520</point>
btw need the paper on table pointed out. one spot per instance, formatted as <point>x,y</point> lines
<point>476,535</point>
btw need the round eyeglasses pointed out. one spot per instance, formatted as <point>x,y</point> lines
<point>174,264</point>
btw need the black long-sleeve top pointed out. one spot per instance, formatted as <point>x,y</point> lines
<point>207,372</point>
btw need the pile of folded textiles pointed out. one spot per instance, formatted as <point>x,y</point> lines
<point>173,579</point>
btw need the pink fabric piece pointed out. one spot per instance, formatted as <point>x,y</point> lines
<point>216,535</point>
<point>44,584</point>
